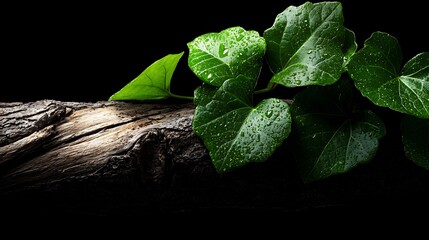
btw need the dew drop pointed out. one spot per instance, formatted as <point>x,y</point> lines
<point>222,50</point>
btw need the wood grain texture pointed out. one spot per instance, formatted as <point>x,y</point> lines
<point>130,158</point>
<point>49,142</point>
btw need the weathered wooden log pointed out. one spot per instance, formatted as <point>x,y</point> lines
<point>130,158</point>
<point>47,144</point>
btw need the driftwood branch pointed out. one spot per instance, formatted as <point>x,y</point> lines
<point>129,158</point>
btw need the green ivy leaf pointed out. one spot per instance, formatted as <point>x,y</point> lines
<point>153,83</point>
<point>304,45</point>
<point>415,137</point>
<point>350,46</point>
<point>329,136</point>
<point>234,132</point>
<point>376,70</point>
<point>217,57</point>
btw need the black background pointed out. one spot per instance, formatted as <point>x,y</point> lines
<point>86,52</point>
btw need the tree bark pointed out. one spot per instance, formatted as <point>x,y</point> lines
<point>49,146</point>
<point>131,158</point>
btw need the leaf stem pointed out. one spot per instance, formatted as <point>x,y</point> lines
<point>181,97</point>
<point>270,87</point>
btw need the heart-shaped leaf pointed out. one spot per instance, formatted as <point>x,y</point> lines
<point>153,83</point>
<point>304,45</point>
<point>234,132</point>
<point>217,57</point>
<point>329,137</point>
<point>376,70</point>
<point>415,137</point>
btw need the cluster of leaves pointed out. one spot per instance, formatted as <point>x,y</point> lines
<point>307,46</point>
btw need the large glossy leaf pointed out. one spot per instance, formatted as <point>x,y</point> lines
<point>329,136</point>
<point>217,57</point>
<point>415,137</point>
<point>153,83</point>
<point>376,70</point>
<point>305,44</point>
<point>234,132</point>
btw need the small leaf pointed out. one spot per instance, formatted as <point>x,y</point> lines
<point>415,137</point>
<point>233,131</point>
<point>217,57</point>
<point>304,45</point>
<point>376,70</point>
<point>329,137</point>
<point>153,83</point>
<point>350,46</point>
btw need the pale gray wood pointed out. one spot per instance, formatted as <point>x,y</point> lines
<point>49,142</point>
